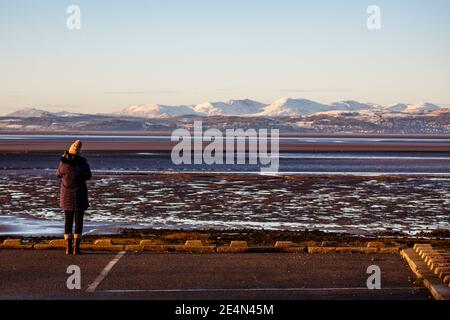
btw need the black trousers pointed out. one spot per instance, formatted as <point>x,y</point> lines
<point>70,216</point>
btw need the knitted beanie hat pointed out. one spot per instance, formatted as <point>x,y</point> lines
<point>75,148</point>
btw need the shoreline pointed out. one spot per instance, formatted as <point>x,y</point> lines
<point>252,236</point>
<point>282,134</point>
<point>44,146</point>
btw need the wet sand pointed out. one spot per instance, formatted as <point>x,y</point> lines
<point>313,163</point>
<point>355,205</point>
<point>121,142</point>
<point>159,146</point>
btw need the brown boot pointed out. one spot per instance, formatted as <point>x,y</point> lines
<point>68,243</point>
<point>77,243</point>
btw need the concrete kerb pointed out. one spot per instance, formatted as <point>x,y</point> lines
<point>284,244</point>
<point>423,253</point>
<point>234,247</point>
<point>440,291</point>
<point>290,247</point>
<point>103,245</point>
<point>197,246</point>
<point>435,259</point>
<point>422,245</point>
<point>194,243</point>
<point>437,265</point>
<point>442,271</point>
<point>367,250</point>
<point>16,244</point>
<point>144,245</point>
<point>437,288</point>
<point>437,256</point>
<point>98,245</point>
<point>243,247</point>
<point>191,246</point>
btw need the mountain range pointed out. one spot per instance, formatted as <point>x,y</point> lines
<point>285,107</point>
<point>286,114</point>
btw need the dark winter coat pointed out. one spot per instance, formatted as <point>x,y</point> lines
<point>74,172</point>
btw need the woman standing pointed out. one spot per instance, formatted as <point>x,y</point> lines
<point>74,171</point>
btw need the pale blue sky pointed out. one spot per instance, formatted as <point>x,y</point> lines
<point>180,51</point>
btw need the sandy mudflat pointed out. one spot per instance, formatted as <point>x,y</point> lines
<point>158,146</point>
<point>357,205</point>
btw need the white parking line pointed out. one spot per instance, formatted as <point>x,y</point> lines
<point>256,289</point>
<point>93,286</point>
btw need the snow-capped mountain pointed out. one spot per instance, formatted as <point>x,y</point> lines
<point>38,113</point>
<point>288,115</point>
<point>285,107</point>
<point>230,108</point>
<point>157,111</point>
<point>398,107</point>
<point>421,108</point>
<point>351,105</point>
<point>30,113</point>
<point>303,107</point>
<point>67,114</point>
<point>293,107</point>
<point>227,108</point>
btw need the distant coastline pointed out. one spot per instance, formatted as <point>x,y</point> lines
<point>121,142</point>
<point>282,134</point>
